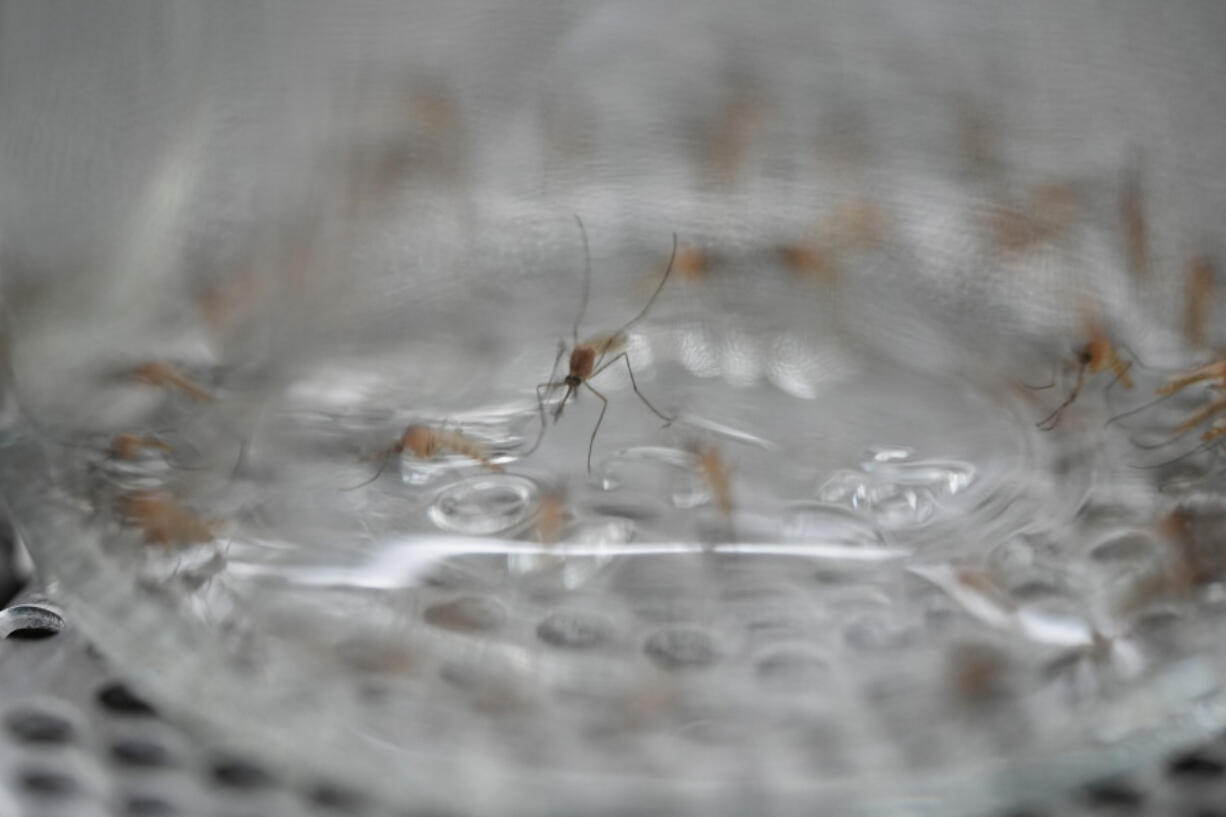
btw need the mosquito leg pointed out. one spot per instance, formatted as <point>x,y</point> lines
<point>1052,420</point>
<point>603,408</point>
<point>1184,456</point>
<point>1136,410</point>
<point>635,386</point>
<point>387,457</point>
<point>540,407</point>
<point>553,372</point>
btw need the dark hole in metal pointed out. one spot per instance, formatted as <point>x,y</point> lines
<point>35,726</point>
<point>117,698</point>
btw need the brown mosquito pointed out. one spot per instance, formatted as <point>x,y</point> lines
<point>428,443</point>
<point>1098,354</point>
<point>591,357</point>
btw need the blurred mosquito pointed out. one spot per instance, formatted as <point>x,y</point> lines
<point>426,443</point>
<point>1214,374</point>
<point>594,355</point>
<point>163,375</point>
<point>1198,299</point>
<point>164,520</point>
<point>1098,354</point>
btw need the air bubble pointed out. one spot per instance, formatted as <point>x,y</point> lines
<point>485,505</point>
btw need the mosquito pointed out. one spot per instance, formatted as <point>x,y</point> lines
<point>164,520</point>
<point>427,443</point>
<point>163,375</point>
<point>1096,355</point>
<point>594,355</point>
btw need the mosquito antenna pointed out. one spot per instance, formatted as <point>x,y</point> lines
<point>587,282</point>
<point>652,299</point>
<point>387,457</point>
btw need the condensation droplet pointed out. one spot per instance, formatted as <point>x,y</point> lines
<point>485,505</point>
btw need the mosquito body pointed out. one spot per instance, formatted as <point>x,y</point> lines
<point>591,357</point>
<point>164,520</point>
<point>428,443</point>
<point>718,476</point>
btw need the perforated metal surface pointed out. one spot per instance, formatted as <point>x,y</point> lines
<point>76,741</point>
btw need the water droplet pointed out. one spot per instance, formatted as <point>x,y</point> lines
<point>878,454</point>
<point>893,507</point>
<point>658,469</point>
<point>603,532</point>
<point>946,477</point>
<point>681,648</point>
<point>827,525</point>
<point>485,505</point>
<point>850,488</point>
